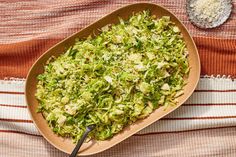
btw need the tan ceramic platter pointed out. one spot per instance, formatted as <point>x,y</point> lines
<point>93,147</point>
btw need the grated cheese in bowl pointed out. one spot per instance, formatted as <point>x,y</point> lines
<point>208,13</point>
<point>209,10</point>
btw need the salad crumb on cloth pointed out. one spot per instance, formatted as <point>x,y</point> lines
<point>112,80</point>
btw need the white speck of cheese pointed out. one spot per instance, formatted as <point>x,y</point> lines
<point>108,79</point>
<point>165,87</point>
<point>209,10</point>
<point>139,67</point>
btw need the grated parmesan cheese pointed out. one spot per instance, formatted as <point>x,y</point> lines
<point>209,10</point>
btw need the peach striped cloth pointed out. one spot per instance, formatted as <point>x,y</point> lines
<point>204,126</point>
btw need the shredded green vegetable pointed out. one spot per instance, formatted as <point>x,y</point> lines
<point>112,80</point>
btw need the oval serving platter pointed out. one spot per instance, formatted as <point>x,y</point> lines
<point>66,145</point>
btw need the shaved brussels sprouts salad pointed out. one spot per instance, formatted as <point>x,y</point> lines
<point>112,80</point>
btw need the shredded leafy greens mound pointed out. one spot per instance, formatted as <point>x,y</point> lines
<point>112,80</point>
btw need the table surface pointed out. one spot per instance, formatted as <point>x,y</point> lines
<point>204,126</point>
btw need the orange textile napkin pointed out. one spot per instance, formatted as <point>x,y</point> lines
<point>29,28</point>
